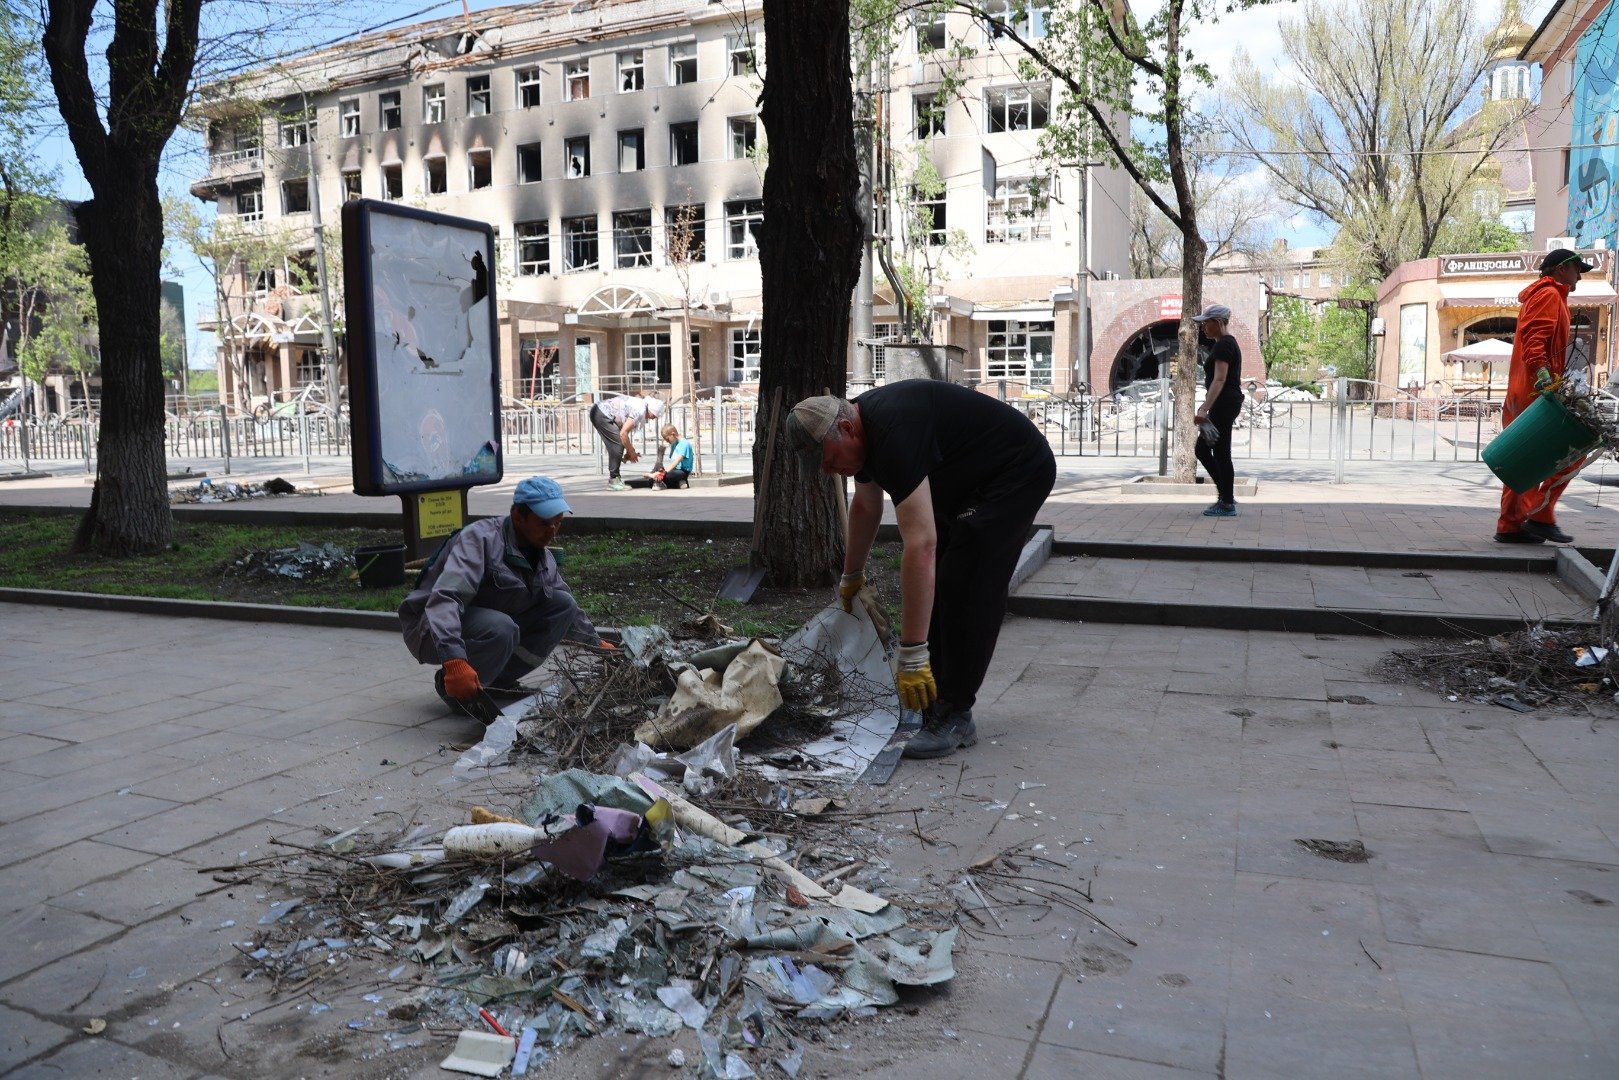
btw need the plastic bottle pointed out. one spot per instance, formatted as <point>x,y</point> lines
<point>495,838</point>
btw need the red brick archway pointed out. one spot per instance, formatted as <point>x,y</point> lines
<point>1142,314</point>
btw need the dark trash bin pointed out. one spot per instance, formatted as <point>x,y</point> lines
<point>380,565</point>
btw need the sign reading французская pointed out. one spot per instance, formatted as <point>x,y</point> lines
<point>1509,262</point>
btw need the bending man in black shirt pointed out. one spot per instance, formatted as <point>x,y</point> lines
<point>1222,403</point>
<point>967,475</point>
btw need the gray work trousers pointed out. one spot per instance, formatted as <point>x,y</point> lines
<point>611,436</point>
<point>503,648</point>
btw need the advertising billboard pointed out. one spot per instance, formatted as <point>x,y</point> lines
<point>423,359</point>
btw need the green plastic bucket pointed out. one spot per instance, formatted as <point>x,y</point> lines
<point>1544,439</point>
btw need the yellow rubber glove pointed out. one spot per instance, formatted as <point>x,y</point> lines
<point>848,586</point>
<point>913,677</point>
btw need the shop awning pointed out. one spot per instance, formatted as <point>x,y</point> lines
<point>1488,351</point>
<point>1479,294</point>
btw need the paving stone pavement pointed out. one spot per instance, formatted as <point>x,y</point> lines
<point>1169,771</point>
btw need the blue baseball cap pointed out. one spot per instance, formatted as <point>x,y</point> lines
<point>542,495</point>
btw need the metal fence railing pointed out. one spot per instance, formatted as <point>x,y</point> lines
<point>1351,421</point>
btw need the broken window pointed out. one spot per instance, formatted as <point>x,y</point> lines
<point>1016,108</point>
<point>351,184</point>
<point>264,280</point>
<point>478,95</point>
<point>533,248</point>
<point>631,71</point>
<point>684,239</point>
<point>744,134</point>
<point>744,51</point>
<point>575,80</point>
<point>576,151</point>
<point>743,220</point>
<point>309,369</point>
<point>528,163</point>
<point>1020,350</point>
<point>683,143</point>
<point>929,210</point>
<point>348,117</point>
<point>579,244</point>
<point>393,181</point>
<point>632,238</point>
<point>297,129</point>
<point>647,356</point>
<point>631,151</point>
<point>528,87</point>
<point>436,176</point>
<point>250,203</point>
<point>1027,18</point>
<point>930,109</point>
<point>433,104</point>
<point>388,112</point>
<point>480,169</point>
<point>1018,211</point>
<point>682,63</point>
<point>929,30</point>
<point>295,196</point>
<point>744,354</point>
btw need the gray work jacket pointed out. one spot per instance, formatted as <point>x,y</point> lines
<point>480,566</point>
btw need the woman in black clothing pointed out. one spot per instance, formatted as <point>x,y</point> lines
<point>1222,402</point>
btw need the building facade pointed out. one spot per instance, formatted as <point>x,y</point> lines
<point>1574,130</point>
<point>615,147</point>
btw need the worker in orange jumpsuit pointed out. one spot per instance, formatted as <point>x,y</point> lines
<point>1541,341</point>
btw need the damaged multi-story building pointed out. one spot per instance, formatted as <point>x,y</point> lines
<point>616,149</point>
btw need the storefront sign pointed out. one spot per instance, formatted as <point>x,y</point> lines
<point>1169,307</point>
<point>1509,263</point>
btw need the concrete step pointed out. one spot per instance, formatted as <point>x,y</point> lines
<point>1299,597</point>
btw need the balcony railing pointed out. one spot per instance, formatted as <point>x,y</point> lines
<point>222,158</point>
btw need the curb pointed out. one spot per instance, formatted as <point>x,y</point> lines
<point>207,609</point>
<point>1579,574</point>
<point>1373,560</point>
<point>1399,624</point>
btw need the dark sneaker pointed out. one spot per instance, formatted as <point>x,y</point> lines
<point>481,708</point>
<point>1547,532</point>
<point>1221,509</point>
<point>1518,538</point>
<point>944,731</point>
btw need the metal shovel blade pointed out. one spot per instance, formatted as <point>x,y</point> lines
<point>740,583</point>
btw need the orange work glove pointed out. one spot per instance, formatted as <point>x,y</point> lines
<point>607,646</point>
<point>460,680</point>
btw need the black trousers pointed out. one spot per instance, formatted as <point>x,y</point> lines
<point>977,551</point>
<point>1216,459</point>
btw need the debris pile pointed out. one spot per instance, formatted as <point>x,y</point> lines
<point>607,904</point>
<point>1525,670</point>
<point>305,562</point>
<point>209,492</point>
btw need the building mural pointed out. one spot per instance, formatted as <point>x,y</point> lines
<point>1593,210</point>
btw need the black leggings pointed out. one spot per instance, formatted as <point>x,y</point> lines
<point>1216,459</point>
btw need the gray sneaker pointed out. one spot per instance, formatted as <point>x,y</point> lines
<point>944,731</point>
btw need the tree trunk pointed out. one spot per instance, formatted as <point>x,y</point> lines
<point>809,259</point>
<point>123,232</point>
<point>1185,466</point>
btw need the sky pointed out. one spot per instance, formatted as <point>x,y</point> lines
<point>1255,29</point>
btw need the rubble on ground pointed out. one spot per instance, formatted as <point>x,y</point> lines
<point>206,491</point>
<point>1525,670</point>
<point>720,893</point>
<point>304,562</point>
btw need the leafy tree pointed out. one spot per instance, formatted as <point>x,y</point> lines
<point>1341,336</point>
<point>1235,214</point>
<point>118,131</point>
<point>809,260</point>
<point>1129,85</point>
<point>1368,128</point>
<point>25,189</point>
<point>1289,350</point>
<point>1471,233</point>
<point>233,253</point>
<point>924,250</point>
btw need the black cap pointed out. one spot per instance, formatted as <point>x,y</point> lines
<point>1563,256</point>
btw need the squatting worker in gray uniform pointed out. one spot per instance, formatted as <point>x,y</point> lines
<point>967,474</point>
<point>491,605</point>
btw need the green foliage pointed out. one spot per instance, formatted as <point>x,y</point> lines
<point>25,188</point>
<point>53,287</point>
<point>1306,338</point>
<point>1471,234</point>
